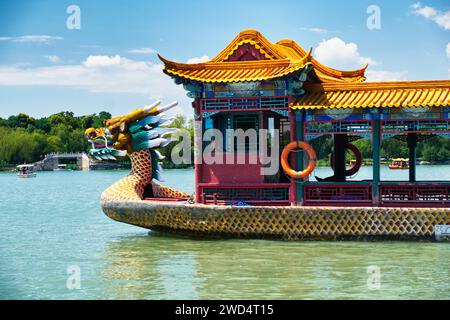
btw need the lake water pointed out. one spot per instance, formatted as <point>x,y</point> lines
<point>53,222</point>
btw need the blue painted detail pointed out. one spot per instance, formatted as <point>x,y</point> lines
<point>194,89</point>
<point>143,136</point>
<point>207,115</point>
<point>375,116</point>
<point>150,120</point>
<point>309,137</point>
<point>283,113</point>
<point>240,204</point>
<point>356,127</point>
<point>102,151</point>
<point>138,146</point>
<point>323,117</point>
<point>244,104</point>
<point>156,167</point>
<point>209,123</point>
<point>401,126</point>
<point>445,135</point>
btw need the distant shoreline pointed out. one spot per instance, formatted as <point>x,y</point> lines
<point>12,168</point>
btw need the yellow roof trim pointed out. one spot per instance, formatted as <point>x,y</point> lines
<point>394,94</point>
<point>217,74</point>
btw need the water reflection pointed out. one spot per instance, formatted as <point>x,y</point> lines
<point>161,267</point>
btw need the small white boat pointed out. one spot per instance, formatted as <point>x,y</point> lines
<point>26,171</point>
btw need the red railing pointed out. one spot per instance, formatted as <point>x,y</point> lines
<point>254,194</point>
<point>397,194</point>
<point>338,194</point>
<point>418,195</point>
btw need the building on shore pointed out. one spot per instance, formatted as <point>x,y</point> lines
<point>55,161</point>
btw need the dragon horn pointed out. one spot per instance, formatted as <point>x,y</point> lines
<point>148,109</point>
<point>167,107</point>
<point>141,113</point>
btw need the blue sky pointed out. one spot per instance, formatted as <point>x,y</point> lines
<point>110,63</point>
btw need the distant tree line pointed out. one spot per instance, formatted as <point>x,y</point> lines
<point>24,139</point>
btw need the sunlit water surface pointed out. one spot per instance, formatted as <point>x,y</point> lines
<point>54,221</point>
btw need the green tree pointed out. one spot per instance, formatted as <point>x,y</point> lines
<point>24,120</point>
<point>43,124</point>
<point>104,115</point>
<point>87,121</point>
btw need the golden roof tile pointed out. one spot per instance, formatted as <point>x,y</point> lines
<point>375,95</point>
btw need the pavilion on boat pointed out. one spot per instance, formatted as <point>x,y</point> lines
<point>254,83</point>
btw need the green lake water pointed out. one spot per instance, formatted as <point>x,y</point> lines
<point>54,221</point>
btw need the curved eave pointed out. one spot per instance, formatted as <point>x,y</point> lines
<point>238,71</point>
<point>226,76</point>
<point>276,54</point>
<point>324,73</point>
<point>375,95</point>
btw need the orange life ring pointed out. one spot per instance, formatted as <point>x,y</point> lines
<point>285,162</point>
<point>353,170</point>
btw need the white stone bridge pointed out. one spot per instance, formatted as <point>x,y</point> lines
<point>52,160</point>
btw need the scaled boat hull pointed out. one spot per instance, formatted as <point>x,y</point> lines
<point>288,223</point>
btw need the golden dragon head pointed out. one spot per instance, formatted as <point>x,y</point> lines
<point>122,135</point>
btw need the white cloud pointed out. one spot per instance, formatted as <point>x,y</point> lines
<point>435,15</point>
<point>102,61</point>
<point>102,74</point>
<point>381,75</point>
<point>54,59</point>
<point>448,50</point>
<point>143,51</point>
<point>336,53</point>
<point>345,56</point>
<point>32,38</point>
<point>198,59</point>
<point>314,29</point>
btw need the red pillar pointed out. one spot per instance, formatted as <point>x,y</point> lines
<point>293,188</point>
<point>198,149</point>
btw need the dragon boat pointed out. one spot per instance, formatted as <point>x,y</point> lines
<point>280,87</point>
